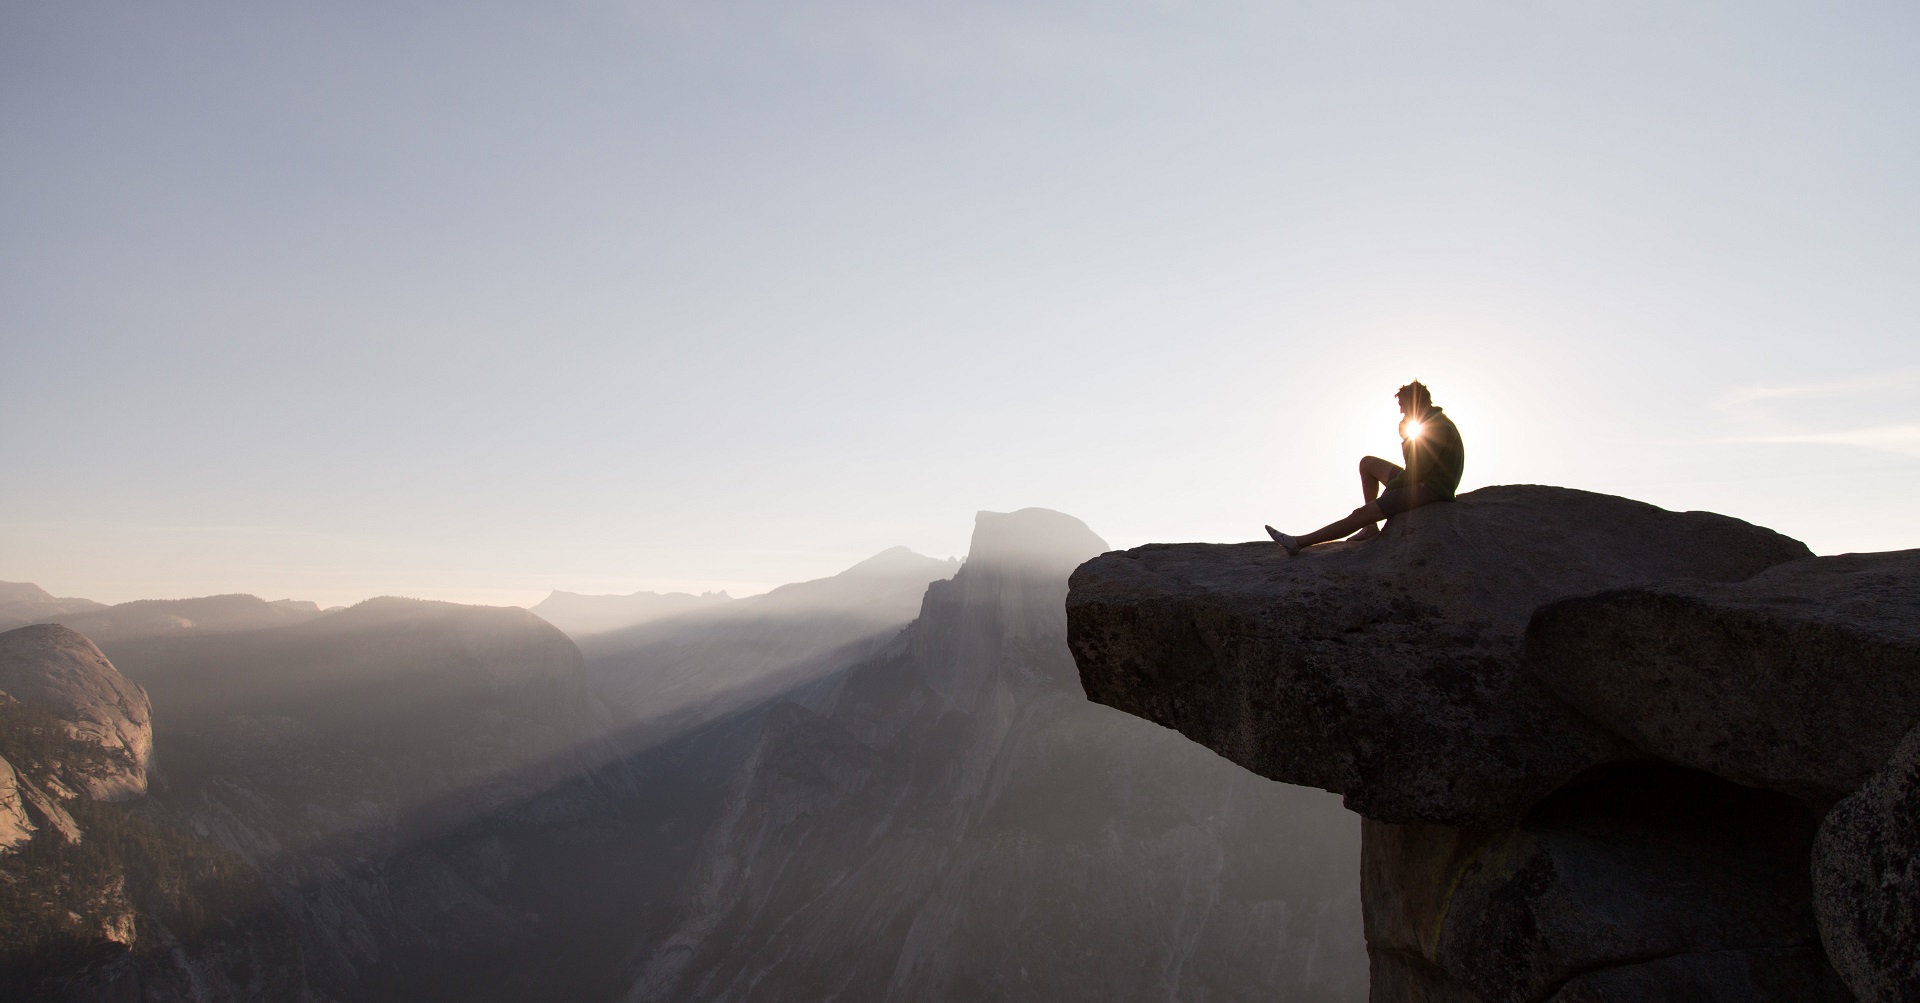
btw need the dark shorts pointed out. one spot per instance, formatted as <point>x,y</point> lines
<point>1397,500</point>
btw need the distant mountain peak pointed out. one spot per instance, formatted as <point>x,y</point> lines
<point>1032,536</point>
<point>901,560</point>
<point>579,614</point>
<point>141,618</point>
<point>25,602</point>
<point>23,592</point>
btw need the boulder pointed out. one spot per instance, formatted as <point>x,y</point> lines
<point>1637,862</point>
<point>1801,679</point>
<point>59,671</point>
<point>1866,877</point>
<point>1391,671</point>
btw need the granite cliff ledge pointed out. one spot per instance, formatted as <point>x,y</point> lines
<point>1391,671</point>
<point>1592,739</point>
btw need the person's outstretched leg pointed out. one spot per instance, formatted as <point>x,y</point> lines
<point>1365,515</point>
<point>1374,474</point>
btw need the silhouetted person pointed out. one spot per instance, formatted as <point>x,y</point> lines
<point>1434,455</point>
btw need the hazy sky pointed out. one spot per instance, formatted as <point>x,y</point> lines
<point>476,300</point>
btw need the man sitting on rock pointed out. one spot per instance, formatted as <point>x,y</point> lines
<point>1435,456</point>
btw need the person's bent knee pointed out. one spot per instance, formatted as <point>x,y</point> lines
<point>1378,469</point>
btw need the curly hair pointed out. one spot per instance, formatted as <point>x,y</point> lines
<point>1417,391</point>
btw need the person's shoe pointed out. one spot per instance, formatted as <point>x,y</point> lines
<point>1290,544</point>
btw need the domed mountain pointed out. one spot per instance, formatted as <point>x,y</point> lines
<point>61,672</point>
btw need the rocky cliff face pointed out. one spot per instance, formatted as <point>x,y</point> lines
<point>951,819</point>
<point>1801,679</point>
<point>88,871</point>
<point>61,672</point>
<point>1593,739</point>
<point>1866,872</point>
<point>16,826</point>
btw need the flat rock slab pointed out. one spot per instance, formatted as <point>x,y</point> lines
<point>1391,671</point>
<point>1801,679</point>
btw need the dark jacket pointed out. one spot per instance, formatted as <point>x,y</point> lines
<point>1436,458</point>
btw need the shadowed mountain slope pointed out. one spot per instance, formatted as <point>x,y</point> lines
<point>407,800</point>
<point>116,627</point>
<point>91,871</point>
<point>369,772</point>
<point>669,676</point>
<point>461,705</point>
<point>952,820</point>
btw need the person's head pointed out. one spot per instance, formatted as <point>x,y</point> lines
<point>1414,398</point>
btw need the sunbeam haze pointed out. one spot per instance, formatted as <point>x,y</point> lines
<point>474,302</point>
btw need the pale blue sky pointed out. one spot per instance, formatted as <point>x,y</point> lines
<point>475,300</point>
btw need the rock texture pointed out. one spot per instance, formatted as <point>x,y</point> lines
<point>15,827</point>
<point>1391,671</point>
<point>1635,864</point>
<point>1866,873</point>
<point>75,753</point>
<point>52,814</point>
<point>1593,739</point>
<point>1800,679</point>
<point>60,671</point>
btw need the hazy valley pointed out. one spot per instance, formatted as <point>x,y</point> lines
<point>883,784</point>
